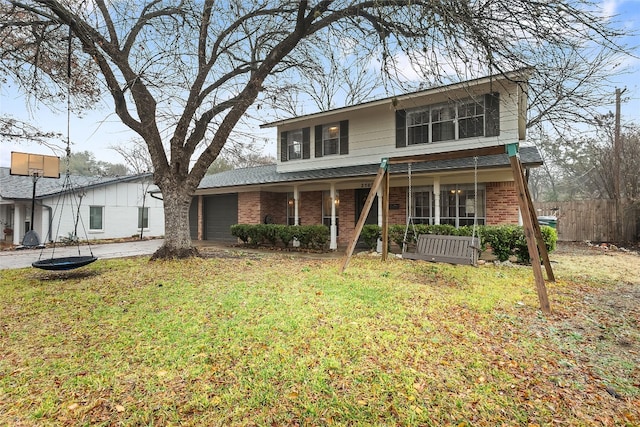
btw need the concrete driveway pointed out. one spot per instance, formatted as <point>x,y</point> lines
<point>24,258</point>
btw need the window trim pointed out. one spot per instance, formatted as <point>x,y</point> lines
<point>91,208</point>
<point>140,225</point>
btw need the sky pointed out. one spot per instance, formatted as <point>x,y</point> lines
<point>99,129</point>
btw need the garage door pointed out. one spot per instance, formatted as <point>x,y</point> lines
<point>220,213</point>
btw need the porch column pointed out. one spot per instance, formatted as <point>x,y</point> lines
<point>333,244</point>
<point>18,223</point>
<point>379,194</point>
<point>436,199</point>
<point>296,220</point>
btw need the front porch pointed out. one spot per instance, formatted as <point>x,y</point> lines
<point>338,205</point>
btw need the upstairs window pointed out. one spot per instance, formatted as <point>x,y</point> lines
<point>294,144</point>
<point>330,139</point>
<point>418,127</point>
<point>470,118</point>
<point>442,123</point>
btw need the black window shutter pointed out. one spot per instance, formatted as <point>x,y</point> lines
<point>401,128</point>
<point>318,141</point>
<point>284,155</point>
<point>344,137</point>
<point>306,143</point>
<point>492,114</point>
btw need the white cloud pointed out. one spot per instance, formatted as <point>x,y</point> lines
<point>609,8</point>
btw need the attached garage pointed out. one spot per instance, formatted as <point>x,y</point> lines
<point>220,213</point>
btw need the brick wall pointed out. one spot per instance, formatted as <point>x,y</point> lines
<point>310,207</point>
<point>347,214</point>
<point>398,196</point>
<point>249,208</point>
<point>502,203</point>
<point>275,205</point>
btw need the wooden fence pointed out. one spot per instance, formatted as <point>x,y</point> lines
<point>593,220</point>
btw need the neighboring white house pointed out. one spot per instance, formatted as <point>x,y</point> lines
<point>108,207</point>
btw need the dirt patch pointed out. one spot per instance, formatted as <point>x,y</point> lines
<point>596,317</point>
<point>604,264</point>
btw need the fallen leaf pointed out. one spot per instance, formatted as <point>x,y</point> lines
<point>119,408</point>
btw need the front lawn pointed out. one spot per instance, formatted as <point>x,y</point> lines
<point>272,339</point>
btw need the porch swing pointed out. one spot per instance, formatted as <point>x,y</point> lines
<point>68,262</point>
<point>441,248</point>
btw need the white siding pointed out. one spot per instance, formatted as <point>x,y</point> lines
<point>120,204</point>
<point>372,128</point>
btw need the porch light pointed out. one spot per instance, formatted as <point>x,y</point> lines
<point>291,202</point>
<point>336,201</point>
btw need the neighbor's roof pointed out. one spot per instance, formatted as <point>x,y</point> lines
<point>529,156</point>
<point>15,187</point>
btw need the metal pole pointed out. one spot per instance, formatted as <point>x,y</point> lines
<point>33,201</point>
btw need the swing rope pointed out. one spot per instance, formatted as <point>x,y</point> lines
<point>475,203</point>
<point>410,214</point>
<point>67,263</point>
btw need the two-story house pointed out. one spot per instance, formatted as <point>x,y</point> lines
<point>327,162</point>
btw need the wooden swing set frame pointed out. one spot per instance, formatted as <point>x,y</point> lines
<point>532,232</point>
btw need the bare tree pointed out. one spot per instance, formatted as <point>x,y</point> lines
<point>18,130</point>
<point>135,155</point>
<point>584,167</point>
<point>182,74</point>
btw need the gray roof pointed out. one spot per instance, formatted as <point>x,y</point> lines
<point>268,174</point>
<point>21,187</point>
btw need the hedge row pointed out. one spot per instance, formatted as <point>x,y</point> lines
<point>309,236</point>
<point>505,240</point>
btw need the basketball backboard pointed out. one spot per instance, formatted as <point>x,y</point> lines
<point>26,164</point>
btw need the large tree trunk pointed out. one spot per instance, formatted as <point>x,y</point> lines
<point>177,243</point>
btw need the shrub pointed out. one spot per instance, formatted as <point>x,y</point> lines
<point>286,233</point>
<point>521,249</point>
<point>320,235</point>
<point>502,240</point>
<point>309,236</point>
<point>268,233</point>
<point>241,232</point>
<point>370,234</point>
<point>313,236</point>
<point>442,230</point>
<point>396,233</point>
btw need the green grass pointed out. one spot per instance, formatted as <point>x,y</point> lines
<point>289,341</point>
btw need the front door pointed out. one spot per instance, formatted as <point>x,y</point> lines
<point>361,198</point>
